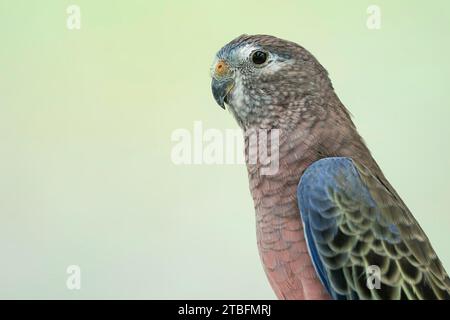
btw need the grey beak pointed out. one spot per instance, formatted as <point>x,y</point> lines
<point>220,90</point>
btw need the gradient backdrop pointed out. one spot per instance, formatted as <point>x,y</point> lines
<point>86,118</point>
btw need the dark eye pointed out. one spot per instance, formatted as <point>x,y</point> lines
<point>259,57</point>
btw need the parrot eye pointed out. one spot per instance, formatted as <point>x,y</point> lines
<point>259,57</point>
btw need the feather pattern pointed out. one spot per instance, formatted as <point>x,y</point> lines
<point>353,222</point>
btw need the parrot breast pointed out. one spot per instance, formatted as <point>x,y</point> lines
<point>280,237</point>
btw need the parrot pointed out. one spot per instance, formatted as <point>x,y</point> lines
<point>329,225</point>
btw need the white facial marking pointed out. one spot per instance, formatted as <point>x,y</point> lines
<point>276,65</point>
<point>245,51</point>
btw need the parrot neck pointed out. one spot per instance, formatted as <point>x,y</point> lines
<point>320,131</point>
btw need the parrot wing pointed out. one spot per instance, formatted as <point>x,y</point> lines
<point>362,239</point>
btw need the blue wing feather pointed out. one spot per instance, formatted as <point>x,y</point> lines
<point>319,194</point>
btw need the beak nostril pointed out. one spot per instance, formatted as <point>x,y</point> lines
<point>221,68</point>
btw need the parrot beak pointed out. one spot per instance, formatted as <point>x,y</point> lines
<point>220,89</point>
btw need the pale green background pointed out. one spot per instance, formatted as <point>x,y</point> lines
<point>86,118</point>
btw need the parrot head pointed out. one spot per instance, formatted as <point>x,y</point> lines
<point>264,81</point>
